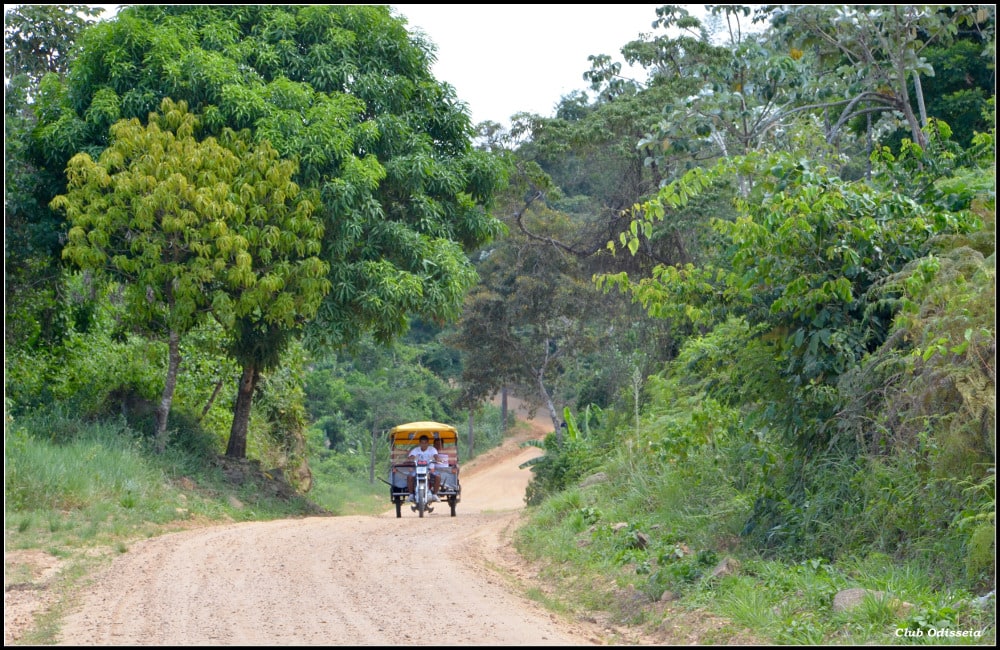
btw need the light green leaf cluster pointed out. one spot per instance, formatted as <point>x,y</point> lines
<point>812,249</point>
<point>194,227</point>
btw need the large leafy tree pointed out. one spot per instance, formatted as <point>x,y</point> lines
<point>346,92</point>
<point>875,57</point>
<point>191,227</point>
<point>38,40</point>
<point>531,319</point>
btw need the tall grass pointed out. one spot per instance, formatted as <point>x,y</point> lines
<point>102,464</point>
<point>664,523</point>
<point>70,483</point>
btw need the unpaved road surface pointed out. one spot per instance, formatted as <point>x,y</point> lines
<point>356,580</point>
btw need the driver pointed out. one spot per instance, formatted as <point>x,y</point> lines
<point>428,453</point>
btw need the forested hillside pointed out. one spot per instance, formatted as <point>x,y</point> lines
<point>752,289</point>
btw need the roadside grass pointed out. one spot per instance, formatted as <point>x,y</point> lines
<point>350,496</point>
<point>95,490</point>
<point>598,549</point>
<point>82,493</point>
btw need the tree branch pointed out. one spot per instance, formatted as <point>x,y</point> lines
<point>519,220</point>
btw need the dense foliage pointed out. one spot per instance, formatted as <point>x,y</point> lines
<point>340,102</point>
<point>754,290</point>
<point>822,399</point>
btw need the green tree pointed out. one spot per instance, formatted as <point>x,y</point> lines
<point>808,260</point>
<point>38,40</point>
<point>528,320</point>
<point>878,53</point>
<point>344,91</point>
<point>575,176</point>
<point>194,227</point>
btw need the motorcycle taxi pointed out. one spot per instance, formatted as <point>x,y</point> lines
<point>403,438</point>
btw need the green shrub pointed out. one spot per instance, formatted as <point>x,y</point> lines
<point>981,558</point>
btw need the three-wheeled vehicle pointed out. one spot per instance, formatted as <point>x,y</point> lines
<point>405,437</point>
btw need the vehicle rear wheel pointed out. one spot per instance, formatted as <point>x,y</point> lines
<point>399,507</point>
<point>452,502</point>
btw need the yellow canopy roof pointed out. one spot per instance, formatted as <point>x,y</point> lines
<point>410,433</point>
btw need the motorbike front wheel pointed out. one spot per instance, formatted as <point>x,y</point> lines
<point>421,500</point>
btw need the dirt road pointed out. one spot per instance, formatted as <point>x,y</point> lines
<point>334,580</point>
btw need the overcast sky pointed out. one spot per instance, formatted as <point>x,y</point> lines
<point>504,59</point>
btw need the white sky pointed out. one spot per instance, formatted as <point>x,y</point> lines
<point>504,59</point>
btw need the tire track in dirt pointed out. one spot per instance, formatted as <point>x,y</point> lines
<point>335,580</point>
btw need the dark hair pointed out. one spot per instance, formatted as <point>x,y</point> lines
<point>422,438</point>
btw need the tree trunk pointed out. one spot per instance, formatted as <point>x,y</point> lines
<point>918,90</point>
<point>237,447</point>
<point>163,411</point>
<point>503,410</point>
<point>211,400</point>
<point>551,407</point>
<point>472,436</point>
<point>869,147</point>
<point>906,107</point>
<point>371,460</point>
<point>546,398</point>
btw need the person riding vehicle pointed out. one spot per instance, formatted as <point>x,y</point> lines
<point>424,453</point>
<point>421,478</point>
